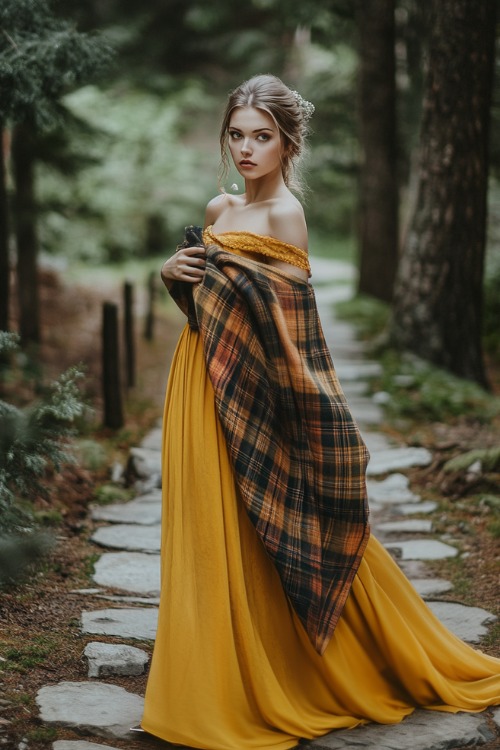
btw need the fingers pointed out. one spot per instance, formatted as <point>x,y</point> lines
<point>185,265</point>
<point>195,250</point>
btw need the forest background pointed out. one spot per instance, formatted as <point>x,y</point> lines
<point>109,115</point>
<point>109,118</point>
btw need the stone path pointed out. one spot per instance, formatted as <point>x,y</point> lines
<point>127,574</point>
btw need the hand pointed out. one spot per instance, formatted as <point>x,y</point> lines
<point>187,264</point>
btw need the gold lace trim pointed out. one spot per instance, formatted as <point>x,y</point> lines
<point>258,243</point>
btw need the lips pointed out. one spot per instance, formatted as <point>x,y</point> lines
<point>247,163</point>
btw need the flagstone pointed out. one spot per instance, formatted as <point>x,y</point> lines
<point>423,549</point>
<point>431,586</point>
<point>394,459</point>
<point>468,623</point>
<point>408,509</point>
<point>135,572</point>
<point>423,730</point>
<point>141,513</point>
<point>408,526</point>
<point>131,622</point>
<point>78,745</point>
<point>129,537</point>
<point>394,489</point>
<point>94,708</point>
<point>114,659</point>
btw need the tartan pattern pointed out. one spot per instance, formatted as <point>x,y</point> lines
<point>298,458</point>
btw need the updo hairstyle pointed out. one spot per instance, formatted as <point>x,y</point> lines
<point>286,107</point>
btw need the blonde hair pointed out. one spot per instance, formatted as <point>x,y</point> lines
<point>290,113</point>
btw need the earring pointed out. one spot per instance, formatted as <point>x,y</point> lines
<point>234,187</point>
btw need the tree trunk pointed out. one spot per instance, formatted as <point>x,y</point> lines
<point>438,298</point>
<point>378,177</point>
<point>26,236</point>
<point>4,240</point>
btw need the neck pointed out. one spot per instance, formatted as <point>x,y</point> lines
<point>265,188</point>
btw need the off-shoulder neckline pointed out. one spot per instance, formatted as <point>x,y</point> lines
<point>255,234</point>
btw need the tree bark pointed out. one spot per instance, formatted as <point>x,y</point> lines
<point>26,234</point>
<point>438,298</point>
<point>378,176</point>
<point>4,240</point>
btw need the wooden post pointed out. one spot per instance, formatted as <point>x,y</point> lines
<point>128,333</point>
<point>150,319</point>
<point>113,408</point>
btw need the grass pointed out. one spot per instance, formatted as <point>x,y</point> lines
<point>23,658</point>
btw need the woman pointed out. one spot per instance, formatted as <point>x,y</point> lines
<point>280,618</point>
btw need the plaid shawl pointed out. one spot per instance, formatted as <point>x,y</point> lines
<point>298,458</point>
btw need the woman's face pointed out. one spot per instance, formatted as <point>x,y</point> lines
<point>255,142</point>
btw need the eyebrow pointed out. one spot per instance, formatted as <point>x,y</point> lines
<point>257,130</point>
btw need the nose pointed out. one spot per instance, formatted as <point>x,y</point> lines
<point>246,147</point>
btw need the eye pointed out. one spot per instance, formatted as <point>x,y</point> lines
<point>234,134</point>
<point>263,137</point>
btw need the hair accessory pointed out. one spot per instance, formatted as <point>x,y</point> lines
<point>234,187</point>
<point>306,107</point>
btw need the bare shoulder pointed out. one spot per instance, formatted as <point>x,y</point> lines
<point>214,208</point>
<point>219,205</point>
<point>288,223</point>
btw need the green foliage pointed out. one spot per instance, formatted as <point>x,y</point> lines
<point>42,57</point>
<point>421,391</point>
<point>112,493</point>
<point>489,458</point>
<point>29,656</point>
<point>19,552</point>
<point>153,173</point>
<point>33,438</point>
<point>91,454</point>
<point>369,315</point>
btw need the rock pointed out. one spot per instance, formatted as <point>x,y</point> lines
<point>411,526</point>
<point>144,514</point>
<point>496,717</point>
<point>423,730</point>
<point>109,658</point>
<point>358,371</point>
<point>422,549</point>
<point>398,458</point>
<point>394,489</point>
<point>431,586</point>
<point>131,622</point>
<point>408,509</point>
<point>376,441</point>
<point>468,623</point>
<point>364,411</point>
<point>149,600</point>
<point>78,745</point>
<point>144,463</point>
<point>151,496</point>
<point>90,707</point>
<point>153,440</point>
<point>135,572</point>
<point>129,537</point>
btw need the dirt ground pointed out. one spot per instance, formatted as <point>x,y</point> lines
<point>40,639</point>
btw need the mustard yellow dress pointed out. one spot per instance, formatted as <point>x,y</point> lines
<point>233,668</point>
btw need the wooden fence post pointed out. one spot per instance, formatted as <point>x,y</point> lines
<point>150,313</point>
<point>128,333</point>
<point>113,408</point>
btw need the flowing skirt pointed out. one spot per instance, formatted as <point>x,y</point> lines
<point>233,668</point>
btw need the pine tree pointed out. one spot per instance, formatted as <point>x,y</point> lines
<point>42,58</point>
